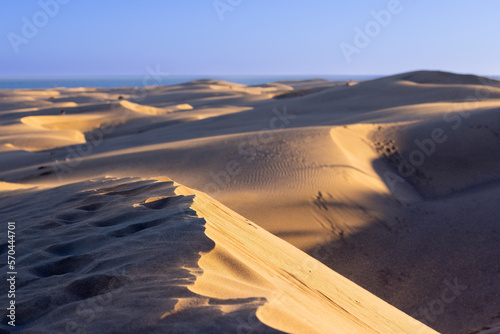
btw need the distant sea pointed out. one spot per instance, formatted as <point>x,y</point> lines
<point>139,81</point>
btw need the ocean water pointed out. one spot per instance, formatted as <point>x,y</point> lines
<point>140,81</point>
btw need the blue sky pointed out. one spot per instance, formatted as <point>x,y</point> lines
<point>247,37</point>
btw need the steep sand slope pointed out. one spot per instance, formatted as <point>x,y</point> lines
<point>123,255</point>
<point>447,154</point>
<point>303,295</point>
<point>112,255</point>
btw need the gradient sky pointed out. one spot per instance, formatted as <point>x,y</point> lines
<point>255,37</point>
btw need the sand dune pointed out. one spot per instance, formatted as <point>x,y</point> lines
<point>332,169</point>
<point>77,122</point>
<point>152,110</point>
<point>131,246</point>
<point>443,78</point>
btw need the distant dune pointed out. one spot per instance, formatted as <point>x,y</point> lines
<point>444,78</point>
<point>392,183</point>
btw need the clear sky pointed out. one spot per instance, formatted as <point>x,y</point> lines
<point>88,37</point>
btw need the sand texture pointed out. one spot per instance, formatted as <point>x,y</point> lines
<point>305,206</point>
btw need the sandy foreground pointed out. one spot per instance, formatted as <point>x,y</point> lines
<point>319,207</point>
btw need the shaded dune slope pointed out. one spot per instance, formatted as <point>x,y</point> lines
<point>110,248</point>
<point>444,155</point>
